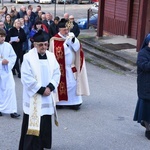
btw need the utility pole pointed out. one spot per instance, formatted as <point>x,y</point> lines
<point>2,3</point>
<point>55,9</point>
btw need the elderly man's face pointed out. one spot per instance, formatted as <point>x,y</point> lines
<point>64,31</point>
<point>41,47</point>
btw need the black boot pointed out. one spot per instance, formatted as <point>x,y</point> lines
<point>75,107</point>
<point>14,115</point>
<point>19,75</point>
<point>147,134</point>
<point>13,71</point>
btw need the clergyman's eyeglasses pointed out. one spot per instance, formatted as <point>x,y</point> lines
<point>42,44</point>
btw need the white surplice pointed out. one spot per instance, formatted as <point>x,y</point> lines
<point>70,49</point>
<point>7,85</point>
<point>50,73</point>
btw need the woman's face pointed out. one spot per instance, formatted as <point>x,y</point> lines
<point>17,24</point>
<point>22,22</point>
<point>39,26</point>
<point>26,18</point>
<point>4,9</point>
<point>8,18</point>
<point>13,8</point>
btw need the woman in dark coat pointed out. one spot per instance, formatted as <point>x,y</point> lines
<point>17,44</point>
<point>142,112</point>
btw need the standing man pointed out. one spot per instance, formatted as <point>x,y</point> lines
<point>75,29</point>
<point>40,77</point>
<point>53,29</point>
<point>48,21</point>
<point>7,85</point>
<point>66,16</point>
<point>22,11</point>
<point>69,54</point>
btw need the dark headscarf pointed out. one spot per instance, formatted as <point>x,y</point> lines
<point>146,41</point>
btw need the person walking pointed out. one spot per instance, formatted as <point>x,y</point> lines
<point>75,29</point>
<point>16,36</point>
<point>40,75</point>
<point>8,102</point>
<point>142,111</point>
<point>69,54</point>
<point>53,28</point>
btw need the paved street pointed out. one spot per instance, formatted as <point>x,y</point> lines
<point>78,10</point>
<point>104,121</point>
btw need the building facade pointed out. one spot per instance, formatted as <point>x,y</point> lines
<point>125,17</point>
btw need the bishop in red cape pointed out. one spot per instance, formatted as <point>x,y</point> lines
<point>69,54</point>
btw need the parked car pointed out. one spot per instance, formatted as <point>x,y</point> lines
<point>84,1</point>
<point>64,1</point>
<point>20,1</point>
<point>83,23</point>
<point>43,1</point>
<point>94,7</point>
<point>93,1</point>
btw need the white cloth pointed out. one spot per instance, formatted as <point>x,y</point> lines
<point>7,85</point>
<point>50,73</point>
<point>70,49</point>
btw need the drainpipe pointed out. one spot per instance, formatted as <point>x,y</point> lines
<point>100,23</point>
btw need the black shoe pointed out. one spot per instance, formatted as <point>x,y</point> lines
<point>142,123</point>
<point>19,75</point>
<point>75,107</point>
<point>59,107</point>
<point>147,134</point>
<point>1,114</point>
<point>14,72</point>
<point>14,115</point>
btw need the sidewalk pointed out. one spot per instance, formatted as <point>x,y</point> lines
<point>124,48</point>
<point>114,39</point>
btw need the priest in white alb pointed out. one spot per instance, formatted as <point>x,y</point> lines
<point>70,56</point>
<point>40,75</point>
<point>8,104</point>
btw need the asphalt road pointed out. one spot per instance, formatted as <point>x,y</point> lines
<point>104,121</point>
<point>78,10</point>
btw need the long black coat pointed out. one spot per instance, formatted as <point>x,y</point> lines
<point>53,29</point>
<point>17,46</point>
<point>75,29</point>
<point>143,71</point>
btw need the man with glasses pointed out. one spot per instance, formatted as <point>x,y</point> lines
<point>69,54</point>
<point>40,75</point>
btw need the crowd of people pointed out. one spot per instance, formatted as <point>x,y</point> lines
<point>48,57</point>
<point>53,72</point>
<point>20,27</point>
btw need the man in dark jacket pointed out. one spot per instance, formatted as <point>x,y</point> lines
<point>75,28</point>
<point>48,21</point>
<point>54,29</point>
<point>22,11</point>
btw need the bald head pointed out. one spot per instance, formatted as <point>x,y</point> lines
<point>71,18</point>
<point>66,16</point>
